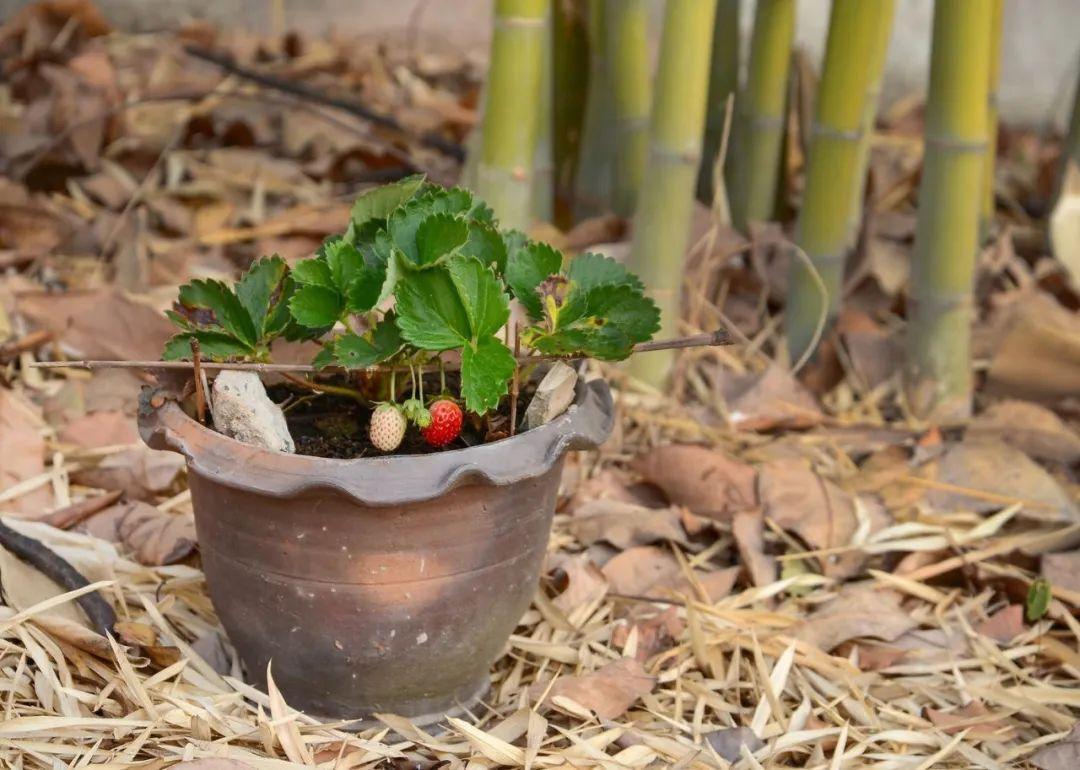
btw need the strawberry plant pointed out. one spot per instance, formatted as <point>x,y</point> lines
<point>421,271</point>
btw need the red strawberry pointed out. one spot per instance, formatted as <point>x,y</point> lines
<point>445,423</point>
<point>387,427</point>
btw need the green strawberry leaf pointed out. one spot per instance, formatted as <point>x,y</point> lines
<point>223,305</point>
<point>213,345</point>
<point>526,268</point>
<point>486,368</point>
<point>431,314</point>
<point>626,309</point>
<point>313,272</point>
<point>438,236</point>
<point>355,352</point>
<point>604,323</point>
<point>344,261</point>
<point>380,202</point>
<point>481,294</point>
<point>486,244</point>
<point>263,291</point>
<point>589,270</point>
<point>316,306</point>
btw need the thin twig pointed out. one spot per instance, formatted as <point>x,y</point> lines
<point>430,139</point>
<point>718,337</point>
<point>200,395</point>
<point>322,387</point>
<point>515,383</point>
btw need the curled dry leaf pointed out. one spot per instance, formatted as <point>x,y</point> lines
<point>1004,625</point>
<point>820,512</point>
<point>608,692</point>
<point>857,611</point>
<point>1062,569</point>
<point>707,481</point>
<point>974,718</point>
<point>156,538</point>
<point>99,429</point>
<point>1033,429</point>
<point>1038,355</point>
<point>654,634</point>
<point>770,400</point>
<point>748,529</point>
<point>1063,755</point>
<point>584,581</point>
<point>997,473</point>
<point>654,572</point>
<point>23,449</point>
<point>728,742</point>
<point>139,472</point>
<point>625,525</point>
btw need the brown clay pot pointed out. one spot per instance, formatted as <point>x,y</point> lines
<point>385,584</point>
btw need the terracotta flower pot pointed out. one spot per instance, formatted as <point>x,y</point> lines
<point>385,584</point>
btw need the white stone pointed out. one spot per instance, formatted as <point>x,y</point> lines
<point>242,410</point>
<point>553,395</point>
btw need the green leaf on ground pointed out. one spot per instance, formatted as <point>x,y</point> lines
<point>486,369</point>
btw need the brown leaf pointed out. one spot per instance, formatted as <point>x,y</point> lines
<point>140,472</point>
<point>1038,356</point>
<point>212,763</point>
<point>1033,429</point>
<point>641,570</point>
<point>770,400</point>
<point>1062,569</point>
<point>132,633</point>
<point>654,634</point>
<point>974,718</point>
<point>31,229</point>
<point>625,525</point>
<point>100,429</point>
<point>858,610</point>
<point>708,482</point>
<point>729,742</point>
<point>584,582</point>
<point>748,530</point>
<point>156,538</point>
<point>1004,625</point>
<point>609,691</point>
<point>821,513</point>
<point>1001,473</point>
<point>23,450</point>
<point>1063,755</point>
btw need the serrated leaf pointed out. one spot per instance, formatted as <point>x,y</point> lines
<point>219,299</point>
<point>527,267</point>
<point>438,236</point>
<point>605,323</point>
<point>486,368</point>
<point>316,306</point>
<point>403,226</point>
<point>363,293</point>
<point>324,358</point>
<point>486,244</point>
<point>589,270</point>
<point>261,291</point>
<point>625,308</point>
<point>214,346</point>
<point>481,294</point>
<point>355,352</point>
<point>430,312</point>
<point>344,261</point>
<point>380,202</point>
<point>313,272</point>
<point>605,343</point>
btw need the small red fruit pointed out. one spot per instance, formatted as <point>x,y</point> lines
<point>387,427</point>
<point>445,423</point>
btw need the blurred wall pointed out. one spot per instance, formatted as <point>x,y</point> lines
<point>1041,49</point>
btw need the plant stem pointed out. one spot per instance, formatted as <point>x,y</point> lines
<point>628,66</point>
<point>662,220</point>
<point>570,72</point>
<point>876,68</point>
<point>504,173</point>
<point>831,169</point>
<point>946,238</point>
<point>723,81</point>
<point>592,188</point>
<point>543,185</point>
<point>997,11</point>
<point>321,387</point>
<point>759,121</point>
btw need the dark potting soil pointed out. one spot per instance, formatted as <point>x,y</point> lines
<point>329,425</point>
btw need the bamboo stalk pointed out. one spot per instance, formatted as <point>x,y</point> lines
<point>822,229</point>
<point>1070,153</point>
<point>723,81</point>
<point>759,123</point>
<point>570,72</point>
<point>662,220</point>
<point>997,12</point>
<point>631,90</point>
<point>543,191</point>
<point>592,188</point>
<point>504,173</point>
<point>946,239</point>
<point>876,68</point>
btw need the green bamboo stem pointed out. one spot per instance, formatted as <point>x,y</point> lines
<point>570,54</point>
<point>504,173</point>
<point>946,238</point>
<point>592,189</point>
<point>631,90</point>
<point>662,220</point>
<point>987,216</point>
<point>543,191</point>
<point>831,169</point>
<point>723,81</point>
<point>759,119</point>
<point>876,68</point>
<point>1070,153</point>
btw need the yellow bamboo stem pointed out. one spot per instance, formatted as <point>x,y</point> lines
<point>592,188</point>
<point>946,239</point>
<point>997,12</point>
<point>723,81</point>
<point>662,220</point>
<point>543,190</point>
<point>628,66</point>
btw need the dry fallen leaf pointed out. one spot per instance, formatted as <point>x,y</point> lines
<point>140,472</point>
<point>608,692</point>
<point>997,473</point>
<point>770,400</point>
<point>857,610</point>
<point>974,718</point>
<point>1038,355</point>
<point>22,450</point>
<point>708,482</point>
<point>748,529</point>
<point>1063,755</point>
<point>155,538</point>
<point>729,742</point>
<point>1033,429</point>
<point>212,763</point>
<point>637,571</point>
<point>1062,569</point>
<point>625,525</point>
<point>1004,625</point>
<point>100,429</point>
<point>584,581</point>
<point>654,634</point>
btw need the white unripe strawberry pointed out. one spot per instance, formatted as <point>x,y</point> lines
<point>387,427</point>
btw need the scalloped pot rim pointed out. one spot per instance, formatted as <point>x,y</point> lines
<point>376,481</point>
